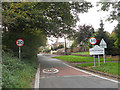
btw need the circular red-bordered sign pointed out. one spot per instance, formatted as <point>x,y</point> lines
<point>20,42</point>
<point>93,40</point>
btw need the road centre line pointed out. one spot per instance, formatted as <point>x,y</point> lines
<point>92,73</point>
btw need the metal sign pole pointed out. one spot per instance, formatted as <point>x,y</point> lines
<point>104,56</point>
<point>94,60</point>
<point>19,53</point>
<point>19,43</point>
<point>94,57</point>
<point>98,60</point>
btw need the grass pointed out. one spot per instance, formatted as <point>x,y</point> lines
<point>82,53</point>
<point>17,74</point>
<point>108,67</point>
<point>72,58</point>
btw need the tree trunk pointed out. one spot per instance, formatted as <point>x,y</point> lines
<point>65,46</point>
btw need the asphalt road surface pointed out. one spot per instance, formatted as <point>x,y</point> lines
<point>57,74</point>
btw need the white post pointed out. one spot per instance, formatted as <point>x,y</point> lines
<point>94,60</point>
<point>98,60</point>
<point>19,53</point>
<point>94,57</point>
<point>104,56</point>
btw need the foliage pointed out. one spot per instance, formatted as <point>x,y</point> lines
<point>32,41</point>
<point>47,50</point>
<point>117,42</point>
<point>114,15</point>
<point>108,67</point>
<point>74,44</point>
<point>110,41</point>
<point>59,47</point>
<point>40,49</point>
<point>49,17</point>
<point>15,73</point>
<point>83,34</point>
<point>34,21</point>
<point>72,58</point>
<point>101,34</point>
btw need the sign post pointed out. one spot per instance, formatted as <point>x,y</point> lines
<point>98,60</point>
<point>20,43</point>
<point>96,50</point>
<point>19,53</point>
<point>103,44</point>
<point>93,41</point>
<point>94,60</point>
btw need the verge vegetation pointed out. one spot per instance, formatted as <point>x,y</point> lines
<point>82,53</point>
<point>17,74</point>
<point>108,67</point>
<point>72,58</point>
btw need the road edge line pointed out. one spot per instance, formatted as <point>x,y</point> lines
<point>92,74</point>
<point>37,78</point>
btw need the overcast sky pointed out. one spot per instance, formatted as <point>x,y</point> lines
<point>93,17</point>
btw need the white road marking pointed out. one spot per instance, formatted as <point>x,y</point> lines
<point>51,70</point>
<point>64,76</point>
<point>92,74</point>
<point>76,75</point>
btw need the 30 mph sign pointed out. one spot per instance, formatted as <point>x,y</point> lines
<point>20,42</point>
<point>92,40</point>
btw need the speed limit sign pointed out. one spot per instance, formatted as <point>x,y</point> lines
<point>92,40</point>
<point>20,42</point>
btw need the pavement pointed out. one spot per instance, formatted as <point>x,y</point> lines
<point>55,73</point>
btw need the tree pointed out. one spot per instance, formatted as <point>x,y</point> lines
<point>25,20</point>
<point>117,42</point>
<point>83,34</point>
<point>52,18</point>
<point>106,36</point>
<point>114,15</point>
<point>101,33</point>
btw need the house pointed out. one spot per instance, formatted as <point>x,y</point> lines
<point>57,44</point>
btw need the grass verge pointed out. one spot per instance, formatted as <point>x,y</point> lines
<point>17,74</point>
<point>72,58</point>
<point>82,53</point>
<point>108,67</point>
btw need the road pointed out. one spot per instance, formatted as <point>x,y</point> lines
<point>66,76</point>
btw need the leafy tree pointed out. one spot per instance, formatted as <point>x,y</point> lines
<point>26,19</point>
<point>83,34</point>
<point>106,36</point>
<point>114,15</point>
<point>32,41</point>
<point>53,18</point>
<point>117,42</point>
<point>101,33</point>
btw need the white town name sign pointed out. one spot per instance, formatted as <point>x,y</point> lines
<point>96,50</point>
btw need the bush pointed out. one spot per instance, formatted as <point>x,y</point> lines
<point>31,42</point>
<point>15,73</point>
